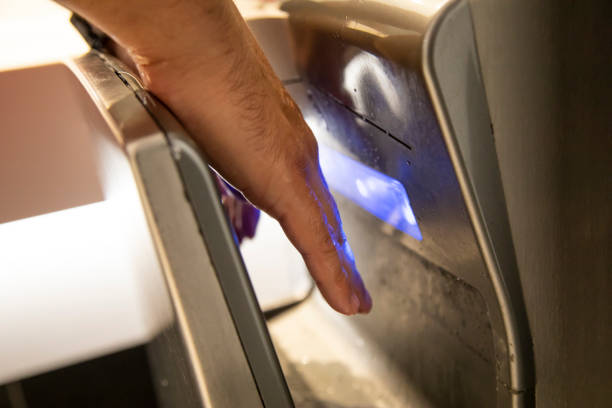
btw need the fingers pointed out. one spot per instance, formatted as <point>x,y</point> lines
<point>311,221</point>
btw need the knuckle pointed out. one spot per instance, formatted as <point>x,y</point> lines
<point>303,160</point>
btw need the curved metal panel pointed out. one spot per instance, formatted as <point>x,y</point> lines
<point>459,99</point>
<point>371,92</point>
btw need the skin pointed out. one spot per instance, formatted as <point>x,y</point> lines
<point>200,59</point>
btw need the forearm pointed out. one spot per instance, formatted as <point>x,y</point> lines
<point>159,32</point>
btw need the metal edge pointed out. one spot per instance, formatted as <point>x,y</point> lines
<point>513,312</point>
<point>215,357</point>
<point>133,150</point>
<point>225,256</point>
<point>115,101</point>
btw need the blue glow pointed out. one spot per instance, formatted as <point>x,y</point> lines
<point>375,192</point>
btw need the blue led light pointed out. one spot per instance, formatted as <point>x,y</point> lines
<point>377,193</point>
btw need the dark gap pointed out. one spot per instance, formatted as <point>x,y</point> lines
<point>365,119</point>
<point>117,380</point>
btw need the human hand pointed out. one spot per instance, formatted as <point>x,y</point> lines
<point>200,59</point>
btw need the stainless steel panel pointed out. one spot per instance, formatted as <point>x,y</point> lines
<point>219,367</point>
<point>460,101</point>
<point>200,189</point>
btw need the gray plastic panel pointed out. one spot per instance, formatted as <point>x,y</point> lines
<point>201,191</point>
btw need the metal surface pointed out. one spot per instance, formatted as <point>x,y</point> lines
<point>546,69</point>
<point>380,84</point>
<point>461,106</point>
<point>203,359</point>
<point>200,189</point>
<point>219,367</point>
<point>435,328</point>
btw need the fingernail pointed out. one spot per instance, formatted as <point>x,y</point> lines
<point>355,303</point>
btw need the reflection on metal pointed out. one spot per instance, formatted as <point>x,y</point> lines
<point>363,69</point>
<point>375,192</point>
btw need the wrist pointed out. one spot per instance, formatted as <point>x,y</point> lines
<point>154,32</point>
<point>203,40</point>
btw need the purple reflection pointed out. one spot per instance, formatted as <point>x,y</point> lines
<point>375,192</point>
